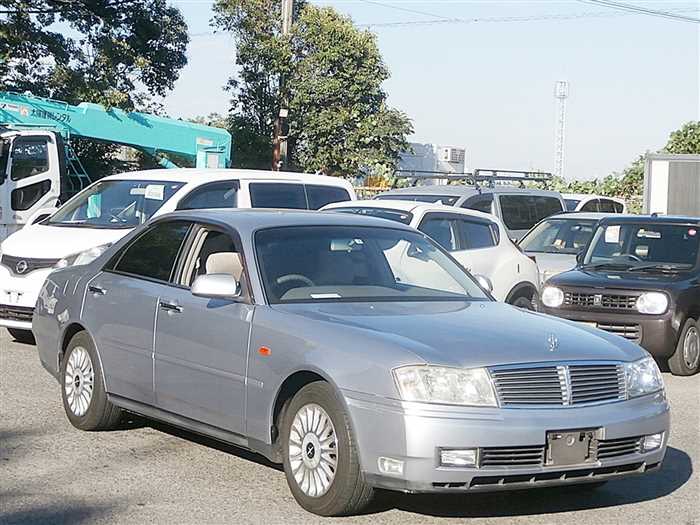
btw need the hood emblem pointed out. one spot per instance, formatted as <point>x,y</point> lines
<point>21,267</point>
<point>552,342</point>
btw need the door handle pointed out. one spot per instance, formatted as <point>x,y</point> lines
<point>170,307</point>
<point>96,290</point>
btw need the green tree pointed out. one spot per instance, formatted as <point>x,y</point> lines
<point>339,121</point>
<point>685,140</point>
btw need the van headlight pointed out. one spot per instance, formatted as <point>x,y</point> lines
<point>82,258</point>
<point>652,303</point>
<point>643,377</point>
<point>453,386</point>
<point>552,297</point>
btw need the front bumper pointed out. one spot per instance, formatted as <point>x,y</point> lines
<point>414,433</point>
<point>657,334</point>
<point>18,295</point>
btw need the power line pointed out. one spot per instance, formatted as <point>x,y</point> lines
<point>642,10</point>
<point>405,9</point>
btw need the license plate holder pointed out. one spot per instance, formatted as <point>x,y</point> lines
<point>570,447</point>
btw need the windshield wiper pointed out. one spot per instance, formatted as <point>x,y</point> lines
<point>608,265</point>
<point>657,267</point>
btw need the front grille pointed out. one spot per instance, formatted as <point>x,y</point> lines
<point>511,457</point>
<point>630,331</point>
<point>562,385</point>
<point>12,262</point>
<point>614,448</point>
<point>607,301</point>
<point>16,313</point>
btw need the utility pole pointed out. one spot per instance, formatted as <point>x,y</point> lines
<point>561,93</point>
<point>279,151</point>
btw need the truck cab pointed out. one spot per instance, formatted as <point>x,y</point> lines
<point>32,177</point>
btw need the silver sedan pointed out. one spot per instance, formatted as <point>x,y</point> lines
<point>353,350</point>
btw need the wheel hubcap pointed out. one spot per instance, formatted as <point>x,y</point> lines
<point>313,450</point>
<point>79,381</point>
<point>691,348</point>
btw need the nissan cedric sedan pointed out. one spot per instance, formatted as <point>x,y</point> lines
<point>353,350</point>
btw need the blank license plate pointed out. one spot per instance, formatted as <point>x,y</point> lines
<point>570,447</point>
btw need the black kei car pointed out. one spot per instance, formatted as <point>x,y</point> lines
<point>639,277</point>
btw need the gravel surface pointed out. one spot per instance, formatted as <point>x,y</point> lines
<point>151,473</point>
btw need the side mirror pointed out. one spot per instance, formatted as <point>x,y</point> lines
<point>580,256</point>
<point>484,282</point>
<point>40,215</point>
<point>216,286</point>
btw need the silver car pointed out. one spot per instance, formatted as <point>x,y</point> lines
<point>353,350</point>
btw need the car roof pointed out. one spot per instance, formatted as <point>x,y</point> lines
<point>585,215</point>
<point>467,190</point>
<point>249,220</point>
<point>646,219</point>
<point>408,206</point>
<point>202,175</point>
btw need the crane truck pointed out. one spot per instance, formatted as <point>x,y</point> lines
<point>38,166</point>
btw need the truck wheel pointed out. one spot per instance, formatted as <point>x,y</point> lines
<point>320,455</point>
<point>82,389</point>
<point>22,336</point>
<point>686,358</point>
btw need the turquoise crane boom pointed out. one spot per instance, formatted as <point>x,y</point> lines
<point>205,146</point>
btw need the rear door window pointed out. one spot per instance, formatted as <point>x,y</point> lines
<point>277,195</point>
<point>319,195</point>
<point>441,230</point>
<point>522,212</point>
<point>608,206</point>
<point>214,195</point>
<point>592,205</point>
<point>482,203</point>
<point>475,234</point>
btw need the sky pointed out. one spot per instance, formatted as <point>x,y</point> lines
<point>487,84</point>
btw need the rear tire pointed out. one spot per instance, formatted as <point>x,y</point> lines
<point>320,458</point>
<point>82,389</point>
<point>22,336</point>
<point>685,361</point>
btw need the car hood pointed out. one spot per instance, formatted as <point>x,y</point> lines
<point>580,278</point>
<point>470,334</point>
<point>551,264</point>
<point>55,242</point>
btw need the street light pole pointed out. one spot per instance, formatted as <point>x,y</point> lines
<point>279,152</point>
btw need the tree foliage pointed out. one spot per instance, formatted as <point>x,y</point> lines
<point>339,121</point>
<point>685,140</point>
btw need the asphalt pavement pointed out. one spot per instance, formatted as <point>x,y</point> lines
<point>151,473</point>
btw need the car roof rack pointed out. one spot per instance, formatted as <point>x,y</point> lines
<point>489,176</point>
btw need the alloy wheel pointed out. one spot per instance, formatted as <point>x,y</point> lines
<point>79,381</point>
<point>313,450</point>
<point>691,348</point>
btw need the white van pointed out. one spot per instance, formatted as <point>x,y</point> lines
<point>105,211</point>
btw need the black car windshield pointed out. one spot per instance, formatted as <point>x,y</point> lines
<point>115,204</point>
<point>447,200</point>
<point>307,264</point>
<point>403,217</point>
<point>566,236</point>
<point>645,245</point>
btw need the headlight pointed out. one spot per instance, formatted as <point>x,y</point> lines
<point>552,297</point>
<point>652,303</point>
<point>643,377</point>
<point>454,386</point>
<point>82,258</point>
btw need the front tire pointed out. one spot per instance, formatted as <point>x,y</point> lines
<point>82,389</point>
<point>22,336</point>
<point>686,359</point>
<point>320,454</point>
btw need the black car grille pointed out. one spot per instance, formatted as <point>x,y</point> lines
<point>607,301</point>
<point>16,313</point>
<point>562,385</point>
<point>630,331</point>
<point>29,265</point>
<point>534,456</point>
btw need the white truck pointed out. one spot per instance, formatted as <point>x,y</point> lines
<point>672,184</point>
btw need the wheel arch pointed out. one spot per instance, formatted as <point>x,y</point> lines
<point>522,289</point>
<point>70,331</point>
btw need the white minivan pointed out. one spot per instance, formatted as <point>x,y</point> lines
<point>105,211</point>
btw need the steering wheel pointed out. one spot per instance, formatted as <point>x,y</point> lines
<point>633,257</point>
<point>291,277</point>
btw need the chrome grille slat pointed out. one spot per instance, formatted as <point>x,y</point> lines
<point>10,261</point>
<point>605,300</point>
<point>565,384</point>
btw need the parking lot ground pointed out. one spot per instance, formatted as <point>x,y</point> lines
<point>151,473</point>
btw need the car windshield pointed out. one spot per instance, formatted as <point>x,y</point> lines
<point>383,213</point>
<point>644,246</point>
<point>309,264</point>
<point>447,200</point>
<point>115,204</point>
<point>571,204</point>
<point>565,236</point>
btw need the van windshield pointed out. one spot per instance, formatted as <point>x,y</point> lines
<point>644,246</point>
<point>115,204</point>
